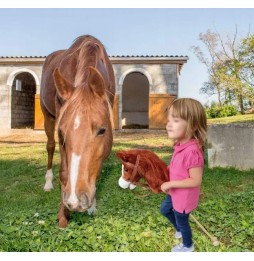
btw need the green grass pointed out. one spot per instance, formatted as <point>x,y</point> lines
<point>232,119</point>
<point>125,220</point>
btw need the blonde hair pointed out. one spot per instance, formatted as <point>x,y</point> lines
<point>194,114</point>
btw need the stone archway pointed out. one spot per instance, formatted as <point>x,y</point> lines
<point>23,90</point>
<point>135,101</point>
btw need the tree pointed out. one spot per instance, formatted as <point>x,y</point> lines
<point>230,67</point>
<point>247,76</point>
<point>210,40</point>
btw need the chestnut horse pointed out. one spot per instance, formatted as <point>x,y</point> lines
<point>139,163</point>
<point>77,93</point>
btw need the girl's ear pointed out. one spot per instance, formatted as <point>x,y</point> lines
<point>195,133</point>
<point>195,127</point>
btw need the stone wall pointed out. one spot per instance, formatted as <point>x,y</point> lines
<point>163,78</point>
<point>8,73</point>
<point>231,145</point>
<point>161,72</point>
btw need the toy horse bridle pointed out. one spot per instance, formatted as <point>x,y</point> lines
<point>134,171</point>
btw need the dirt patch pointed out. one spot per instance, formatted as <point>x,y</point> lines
<point>22,136</point>
<point>19,136</point>
<point>138,134</point>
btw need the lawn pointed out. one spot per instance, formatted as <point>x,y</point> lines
<point>125,220</point>
<point>233,119</point>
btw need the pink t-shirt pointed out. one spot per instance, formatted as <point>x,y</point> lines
<point>185,156</point>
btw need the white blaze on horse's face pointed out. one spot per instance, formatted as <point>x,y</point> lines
<point>73,199</point>
<point>76,122</point>
<point>124,183</point>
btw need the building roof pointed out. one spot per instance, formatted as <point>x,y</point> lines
<point>111,56</point>
<point>115,59</point>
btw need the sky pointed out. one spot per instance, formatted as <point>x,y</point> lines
<point>124,31</point>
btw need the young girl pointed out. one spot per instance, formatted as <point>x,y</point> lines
<point>187,126</point>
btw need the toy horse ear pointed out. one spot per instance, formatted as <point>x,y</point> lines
<point>63,87</point>
<point>121,156</point>
<point>96,81</point>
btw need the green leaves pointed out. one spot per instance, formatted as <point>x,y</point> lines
<point>230,218</point>
<point>125,221</point>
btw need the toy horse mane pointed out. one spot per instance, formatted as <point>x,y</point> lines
<point>147,165</point>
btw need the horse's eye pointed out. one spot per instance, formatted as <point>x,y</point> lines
<point>101,132</point>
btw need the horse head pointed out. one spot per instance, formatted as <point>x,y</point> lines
<point>85,136</point>
<point>139,163</point>
<point>130,173</point>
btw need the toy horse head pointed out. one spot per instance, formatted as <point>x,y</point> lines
<point>139,163</point>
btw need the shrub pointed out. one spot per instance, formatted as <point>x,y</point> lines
<point>216,111</point>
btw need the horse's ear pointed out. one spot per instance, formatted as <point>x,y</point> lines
<point>121,155</point>
<point>63,87</point>
<point>96,81</point>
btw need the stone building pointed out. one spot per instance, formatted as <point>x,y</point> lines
<point>144,87</point>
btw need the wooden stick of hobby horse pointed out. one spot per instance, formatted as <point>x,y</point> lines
<point>214,240</point>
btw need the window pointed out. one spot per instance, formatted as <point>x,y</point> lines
<point>18,85</point>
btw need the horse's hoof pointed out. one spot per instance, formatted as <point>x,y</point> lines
<point>63,222</point>
<point>48,188</point>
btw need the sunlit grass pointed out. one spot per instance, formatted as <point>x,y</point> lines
<point>232,119</point>
<point>126,220</point>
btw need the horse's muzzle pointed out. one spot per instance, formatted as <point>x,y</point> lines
<point>125,184</point>
<point>80,204</point>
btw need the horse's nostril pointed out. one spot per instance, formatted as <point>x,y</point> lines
<point>69,205</point>
<point>84,200</point>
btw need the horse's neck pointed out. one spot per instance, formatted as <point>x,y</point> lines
<point>154,180</point>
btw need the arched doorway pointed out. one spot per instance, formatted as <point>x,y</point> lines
<point>135,101</point>
<point>22,101</point>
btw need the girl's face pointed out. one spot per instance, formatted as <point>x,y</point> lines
<point>176,127</point>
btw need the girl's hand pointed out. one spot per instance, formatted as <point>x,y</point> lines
<point>165,187</point>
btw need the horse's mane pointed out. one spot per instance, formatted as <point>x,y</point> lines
<point>150,167</point>
<point>86,51</point>
<point>81,39</point>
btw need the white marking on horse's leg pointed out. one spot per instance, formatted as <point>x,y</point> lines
<point>93,208</point>
<point>73,200</point>
<point>48,177</point>
<point>76,122</point>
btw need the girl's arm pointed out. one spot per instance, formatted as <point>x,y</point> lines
<point>193,181</point>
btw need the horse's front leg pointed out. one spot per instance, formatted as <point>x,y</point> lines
<point>64,213</point>
<point>49,125</point>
